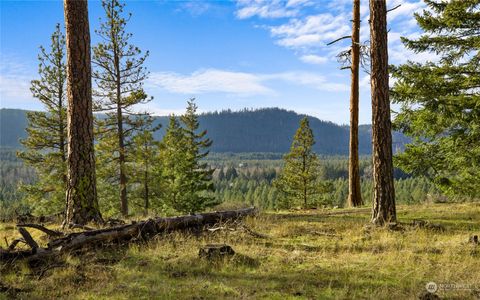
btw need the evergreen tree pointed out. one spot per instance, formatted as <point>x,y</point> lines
<point>119,75</point>
<point>145,156</point>
<point>384,192</point>
<point>299,181</point>
<point>440,103</point>
<point>46,144</point>
<point>231,173</point>
<point>198,174</point>
<point>172,157</point>
<point>81,195</point>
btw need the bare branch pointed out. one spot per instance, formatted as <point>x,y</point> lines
<point>339,39</point>
<point>392,9</point>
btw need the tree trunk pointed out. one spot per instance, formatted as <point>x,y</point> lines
<point>383,189</point>
<point>146,190</point>
<point>81,196</point>
<point>354,192</point>
<point>121,139</point>
<point>121,160</point>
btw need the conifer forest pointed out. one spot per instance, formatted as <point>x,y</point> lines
<point>243,149</point>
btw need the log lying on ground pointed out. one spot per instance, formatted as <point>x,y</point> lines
<point>143,230</point>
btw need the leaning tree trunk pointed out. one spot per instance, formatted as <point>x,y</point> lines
<point>354,192</point>
<point>383,189</point>
<point>81,198</point>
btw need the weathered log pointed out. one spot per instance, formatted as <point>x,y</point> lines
<point>143,230</point>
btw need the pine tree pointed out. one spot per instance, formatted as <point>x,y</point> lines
<point>354,189</point>
<point>46,144</point>
<point>170,170</point>
<point>198,174</point>
<point>119,75</point>
<point>145,154</point>
<point>299,181</point>
<point>384,192</point>
<point>81,195</point>
<point>440,103</point>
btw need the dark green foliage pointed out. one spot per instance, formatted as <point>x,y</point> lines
<point>46,143</point>
<point>119,75</point>
<point>440,102</point>
<point>264,131</point>
<point>299,181</point>
<point>187,179</point>
<point>145,158</point>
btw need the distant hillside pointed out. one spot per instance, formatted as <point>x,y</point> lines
<point>262,130</point>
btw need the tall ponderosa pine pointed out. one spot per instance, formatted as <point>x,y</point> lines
<point>354,191</point>
<point>299,181</point>
<point>383,189</point>
<point>440,100</point>
<point>119,75</point>
<point>81,198</point>
<point>46,144</point>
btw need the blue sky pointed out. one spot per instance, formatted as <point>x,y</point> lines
<point>226,54</point>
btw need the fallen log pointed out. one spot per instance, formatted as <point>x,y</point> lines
<point>143,230</point>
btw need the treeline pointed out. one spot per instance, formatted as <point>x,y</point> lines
<point>267,130</point>
<point>239,179</point>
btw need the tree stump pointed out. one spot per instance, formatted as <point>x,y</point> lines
<point>473,239</point>
<point>215,251</point>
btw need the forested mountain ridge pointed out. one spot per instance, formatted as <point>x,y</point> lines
<point>260,130</point>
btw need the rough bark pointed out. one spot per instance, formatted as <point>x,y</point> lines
<point>124,233</point>
<point>81,196</point>
<point>354,192</point>
<point>383,189</point>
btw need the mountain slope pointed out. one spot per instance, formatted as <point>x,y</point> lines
<point>262,130</point>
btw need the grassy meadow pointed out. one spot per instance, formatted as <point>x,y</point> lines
<point>316,254</point>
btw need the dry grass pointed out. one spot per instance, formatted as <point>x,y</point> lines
<point>309,255</point>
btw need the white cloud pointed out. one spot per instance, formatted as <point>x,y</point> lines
<point>314,59</point>
<point>271,9</point>
<point>209,81</point>
<point>308,79</point>
<point>195,8</point>
<point>405,10</point>
<point>14,81</point>
<point>313,31</point>
<point>237,83</point>
<point>266,9</point>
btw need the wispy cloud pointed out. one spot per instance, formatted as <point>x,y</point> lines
<point>195,8</point>
<point>209,81</point>
<point>313,31</point>
<point>237,83</point>
<point>14,80</point>
<point>307,31</point>
<point>272,9</point>
<point>314,59</point>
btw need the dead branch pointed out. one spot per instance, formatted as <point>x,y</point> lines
<point>339,39</point>
<point>49,232</point>
<point>28,238</point>
<point>14,243</point>
<point>392,9</point>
